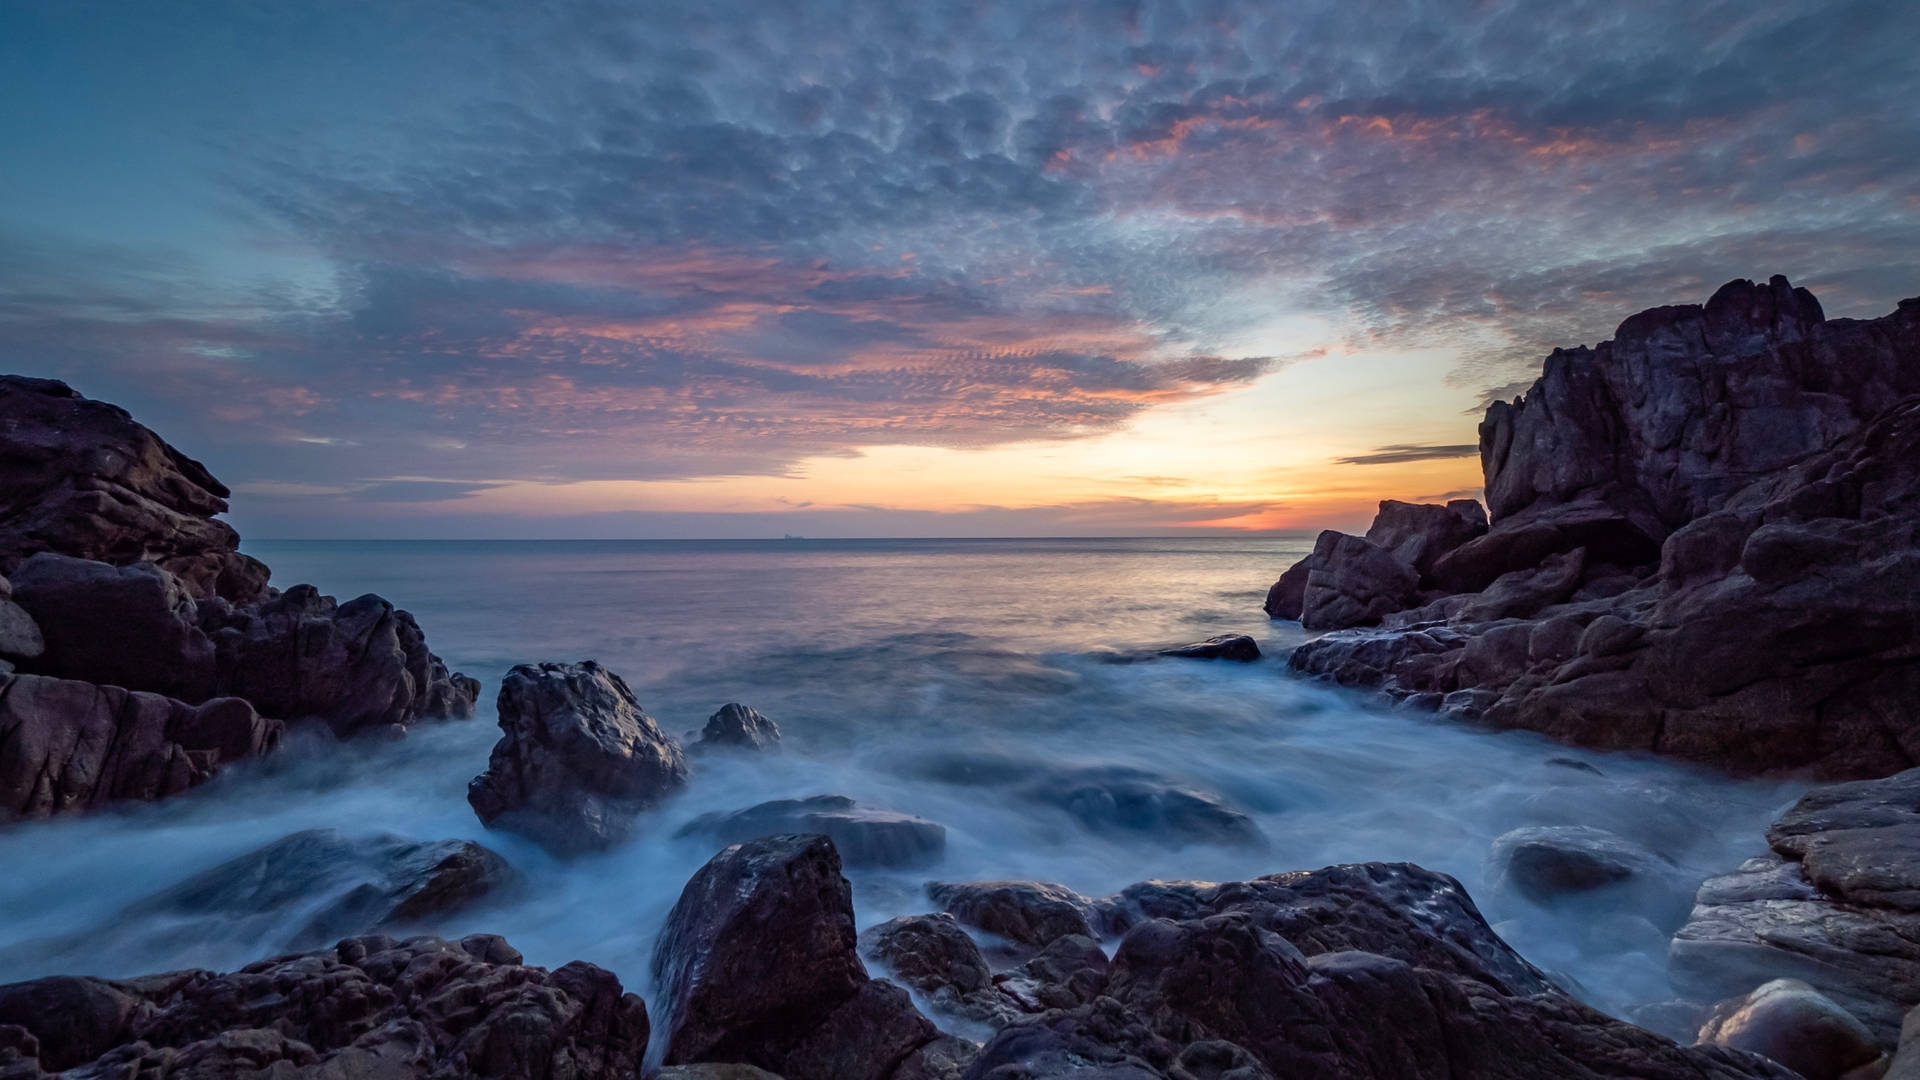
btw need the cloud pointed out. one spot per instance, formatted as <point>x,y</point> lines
<point>1401,454</point>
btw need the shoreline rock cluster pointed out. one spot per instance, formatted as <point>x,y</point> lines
<point>1373,971</point>
<point>1703,540</point>
<point>140,651</point>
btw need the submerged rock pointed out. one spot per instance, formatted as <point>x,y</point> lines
<point>1238,647</point>
<point>300,892</point>
<point>1551,863</point>
<point>864,836</point>
<point>67,745</point>
<point>758,963</point>
<point>577,758</point>
<point>369,1007</point>
<point>82,478</point>
<point>739,726</point>
<point>1792,1023</point>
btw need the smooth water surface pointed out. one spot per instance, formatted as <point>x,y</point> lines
<point>911,675</point>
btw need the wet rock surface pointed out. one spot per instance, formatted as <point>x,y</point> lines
<point>1852,933</point>
<point>863,835</point>
<point>369,1007</point>
<point>1705,542</point>
<point>739,727</point>
<point>1790,1022</point>
<point>1237,647</point>
<point>69,746</point>
<point>758,963</point>
<point>577,758</point>
<point>300,892</point>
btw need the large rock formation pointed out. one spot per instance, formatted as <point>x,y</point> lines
<point>758,964</point>
<point>83,478</point>
<point>67,745</point>
<point>576,760</point>
<point>123,579</point>
<point>1835,905</point>
<point>1705,543</point>
<point>369,1007</point>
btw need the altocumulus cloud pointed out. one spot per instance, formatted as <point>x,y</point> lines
<point>665,240</point>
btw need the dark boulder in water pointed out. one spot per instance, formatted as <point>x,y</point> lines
<point>1238,647</point>
<point>1553,863</point>
<point>758,963</point>
<point>935,958</point>
<point>577,758</point>
<point>1792,1023</point>
<point>369,1007</point>
<point>1120,799</point>
<point>82,478</point>
<point>864,836</point>
<point>739,726</point>
<point>68,746</point>
<point>300,892</point>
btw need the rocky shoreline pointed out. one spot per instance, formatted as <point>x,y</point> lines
<point>1704,541</point>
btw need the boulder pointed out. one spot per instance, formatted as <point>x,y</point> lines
<point>737,725</point>
<point>1071,970</point>
<point>933,956</point>
<point>1354,583</point>
<point>1029,913</point>
<point>1288,596</point>
<point>1418,534</point>
<point>69,746</point>
<point>1550,863</point>
<point>82,478</point>
<point>299,892</point>
<point>368,1007</point>
<point>1103,798</point>
<point>758,963</point>
<point>1852,933</point>
<point>20,637</point>
<point>1355,972</point>
<point>864,836</point>
<point>1792,1023</point>
<point>354,667</point>
<point>135,626</point>
<point>577,758</point>
<point>1237,647</point>
<point>1906,1060</point>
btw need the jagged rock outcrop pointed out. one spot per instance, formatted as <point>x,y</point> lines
<point>577,758</point>
<point>1835,905</point>
<point>135,626</point>
<point>67,745</point>
<point>740,727</point>
<point>1705,543</point>
<point>1421,534</point>
<point>759,964</point>
<point>369,1007</point>
<point>83,478</point>
<point>864,835</point>
<point>1350,972</point>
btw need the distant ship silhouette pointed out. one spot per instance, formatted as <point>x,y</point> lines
<point>790,536</point>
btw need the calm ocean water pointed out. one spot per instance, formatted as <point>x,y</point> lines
<point>912,675</point>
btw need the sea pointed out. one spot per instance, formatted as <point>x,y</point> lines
<point>969,682</point>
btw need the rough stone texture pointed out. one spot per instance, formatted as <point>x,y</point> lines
<point>1419,534</point>
<point>1354,583</point>
<point>1852,932</point>
<point>358,666</point>
<point>135,626</point>
<point>1732,495</point>
<point>1238,647</point>
<point>20,637</point>
<point>1906,1061</point>
<point>1790,1022</point>
<point>370,1007</point>
<point>67,745</point>
<point>933,956</point>
<point>1030,913</point>
<point>300,892</point>
<point>864,836</point>
<point>1369,971</point>
<point>758,963</point>
<point>739,726</point>
<point>577,759</point>
<point>82,478</point>
<point>1287,598</point>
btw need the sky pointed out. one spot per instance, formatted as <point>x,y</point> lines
<point>717,269</point>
